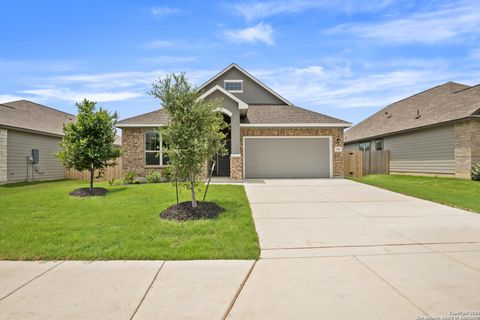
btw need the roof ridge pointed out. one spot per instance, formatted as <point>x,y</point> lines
<point>40,105</point>
<point>469,87</point>
<point>322,114</point>
<point>143,114</point>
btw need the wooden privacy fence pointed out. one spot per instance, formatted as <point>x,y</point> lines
<point>110,172</point>
<point>362,163</point>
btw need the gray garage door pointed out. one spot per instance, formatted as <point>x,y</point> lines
<point>287,157</point>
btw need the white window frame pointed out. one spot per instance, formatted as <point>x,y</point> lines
<point>233,81</point>
<point>160,152</point>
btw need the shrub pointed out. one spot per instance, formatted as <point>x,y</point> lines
<point>128,177</point>
<point>154,177</point>
<point>111,182</point>
<point>475,172</point>
<point>167,173</point>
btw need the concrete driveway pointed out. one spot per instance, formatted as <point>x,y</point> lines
<point>331,249</point>
<point>337,249</point>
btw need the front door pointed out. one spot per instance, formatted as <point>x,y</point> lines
<point>223,162</point>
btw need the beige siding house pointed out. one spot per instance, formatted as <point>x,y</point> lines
<point>436,131</point>
<point>27,126</point>
<point>268,137</point>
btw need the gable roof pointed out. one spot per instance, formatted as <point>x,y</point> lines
<point>444,103</point>
<point>31,116</point>
<point>242,106</point>
<point>234,65</point>
<point>258,115</point>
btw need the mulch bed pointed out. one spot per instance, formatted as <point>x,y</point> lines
<point>85,192</point>
<point>183,211</point>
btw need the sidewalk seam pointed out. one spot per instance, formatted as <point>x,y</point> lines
<point>390,285</point>
<point>239,290</point>
<point>148,290</point>
<point>31,280</point>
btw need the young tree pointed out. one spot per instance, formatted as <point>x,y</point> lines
<point>88,143</point>
<point>194,131</point>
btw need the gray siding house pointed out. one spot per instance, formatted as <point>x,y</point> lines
<point>24,126</point>
<point>436,131</point>
<point>268,137</point>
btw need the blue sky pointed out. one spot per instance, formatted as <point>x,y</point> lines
<point>343,58</point>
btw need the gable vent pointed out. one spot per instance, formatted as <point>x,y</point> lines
<point>418,114</point>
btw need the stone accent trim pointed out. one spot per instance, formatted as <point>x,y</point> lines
<point>467,146</point>
<point>335,133</point>
<point>3,156</point>
<point>236,168</point>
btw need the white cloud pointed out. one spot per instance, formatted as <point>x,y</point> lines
<point>163,11</point>
<point>260,33</point>
<point>435,26</point>
<point>262,9</point>
<point>75,96</point>
<point>475,54</point>
<point>8,98</point>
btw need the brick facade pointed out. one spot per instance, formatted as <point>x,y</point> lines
<point>133,158</point>
<point>3,156</point>
<point>335,133</point>
<point>467,146</point>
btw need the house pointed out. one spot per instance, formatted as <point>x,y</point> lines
<point>436,131</point>
<point>30,134</point>
<point>268,137</point>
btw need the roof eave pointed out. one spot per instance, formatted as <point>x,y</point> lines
<point>296,125</point>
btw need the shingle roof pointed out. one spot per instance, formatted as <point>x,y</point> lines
<point>285,114</point>
<point>31,116</point>
<point>447,102</point>
<point>257,114</point>
<point>28,115</point>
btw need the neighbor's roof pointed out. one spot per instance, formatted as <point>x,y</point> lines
<point>31,116</point>
<point>444,103</point>
<point>257,115</point>
<point>28,115</point>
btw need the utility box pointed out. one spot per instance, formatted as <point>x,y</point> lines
<point>35,156</point>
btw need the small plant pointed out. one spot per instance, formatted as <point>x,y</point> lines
<point>129,177</point>
<point>167,173</point>
<point>475,172</point>
<point>154,177</point>
<point>111,182</point>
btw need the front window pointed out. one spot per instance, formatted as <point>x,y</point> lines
<point>153,149</point>
<point>234,85</point>
<point>364,146</point>
<point>379,145</point>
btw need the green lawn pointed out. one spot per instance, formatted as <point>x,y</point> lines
<point>41,221</point>
<point>458,193</point>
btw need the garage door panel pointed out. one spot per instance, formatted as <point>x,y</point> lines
<point>287,157</point>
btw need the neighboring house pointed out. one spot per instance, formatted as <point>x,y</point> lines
<point>268,137</point>
<point>436,131</point>
<point>27,126</point>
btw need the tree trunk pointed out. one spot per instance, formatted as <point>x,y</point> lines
<point>92,173</point>
<point>192,185</point>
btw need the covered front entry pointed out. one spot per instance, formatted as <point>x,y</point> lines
<point>287,157</point>
<point>222,168</point>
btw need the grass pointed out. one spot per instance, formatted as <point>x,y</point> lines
<point>460,193</point>
<point>41,221</point>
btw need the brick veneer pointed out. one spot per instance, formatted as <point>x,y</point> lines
<point>133,157</point>
<point>467,146</point>
<point>336,133</point>
<point>3,156</point>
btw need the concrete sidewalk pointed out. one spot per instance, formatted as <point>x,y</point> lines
<point>331,249</point>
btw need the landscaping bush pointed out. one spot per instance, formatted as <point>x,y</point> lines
<point>167,173</point>
<point>154,177</point>
<point>129,177</point>
<point>475,172</point>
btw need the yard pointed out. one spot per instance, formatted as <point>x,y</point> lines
<point>41,221</point>
<point>453,192</point>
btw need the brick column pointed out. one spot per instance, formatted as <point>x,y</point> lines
<point>3,156</point>
<point>467,146</point>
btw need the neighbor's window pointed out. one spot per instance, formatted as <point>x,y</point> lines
<point>379,144</point>
<point>364,146</point>
<point>152,148</point>
<point>234,85</point>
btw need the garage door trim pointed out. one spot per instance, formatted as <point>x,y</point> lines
<point>330,153</point>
